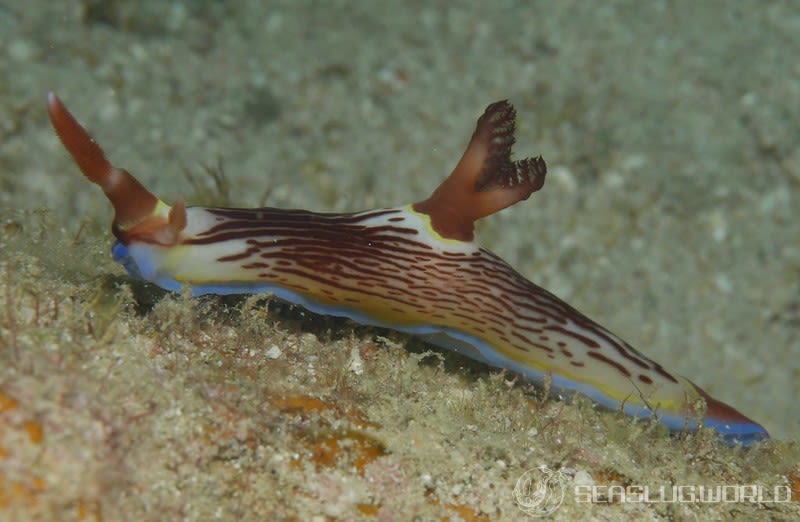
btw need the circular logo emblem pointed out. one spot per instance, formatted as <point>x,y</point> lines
<point>540,491</point>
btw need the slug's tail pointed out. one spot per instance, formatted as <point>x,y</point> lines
<point>732,425</point>
<point>139,214</point>
<point>485,180</point>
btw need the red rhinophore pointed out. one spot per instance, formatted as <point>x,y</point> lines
<point>134,205</point>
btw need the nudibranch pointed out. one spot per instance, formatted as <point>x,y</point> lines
<point>414,269</point>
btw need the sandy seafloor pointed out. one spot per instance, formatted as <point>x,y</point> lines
<point>671,131</point>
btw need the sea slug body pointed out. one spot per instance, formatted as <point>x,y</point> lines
<point>414,269</point>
